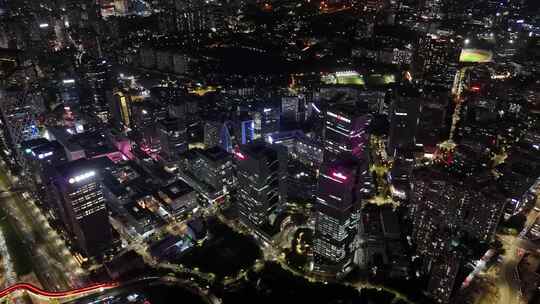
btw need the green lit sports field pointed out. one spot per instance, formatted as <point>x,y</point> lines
<point>358,80</point>
<point>475,55</point>
<point>343,78</point>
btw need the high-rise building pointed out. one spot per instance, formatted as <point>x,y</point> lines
<point>443,207</point>
<point>261,171</point>
<point>122,108</point>
<point>69,92</point>
<point>400,176</point>
<point>292,108</point>
<point>345,131</point>
<point>97,94</point>
<point>192,17</point>
<point>226,138</point>
<point>247,129</point>
<point>81,204</point>
<point>211,131</point>
<point>210,172</point>
<point>342,186</point>
<point>435,53</point>
<point>266,121</point>
<point>404,114</point>
<point>172,137</point>
<point>219,133</point>
<point>433,126</point>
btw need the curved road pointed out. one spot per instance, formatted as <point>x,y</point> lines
<point>55,294</point>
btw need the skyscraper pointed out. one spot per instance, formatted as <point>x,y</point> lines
<point>342,185</point>
<point>172,137</point>
<point>292,108</point>
<point>98,89</point>
<point>192,17</point>
<point>404,113</point>
<point>261,170</point>
<point>211,131</point>
<point>442,202</point>
<point>401,173</point>
<point>346,131</point>
<point>210,172</point>
<point>80,202</point>
<point>434,57</point>
<point>266,121</point>
<point>247,128</point>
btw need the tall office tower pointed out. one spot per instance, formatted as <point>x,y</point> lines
<point>433,125</point>
<point>345,131</point>
<point>172,137</point>
<point>80,202</point>
<point>122,108</point>
<point>97,91</point>
<point>266,121</point>
<point>247,132</point>
<point>342,186</point>
<point>217,134</point>
<point>225,137</point>
<point>404,114</point>
<point>293,108</point>
<point>211,131</point>
<point>261,169</point>
<point>400,176</point>
<point>210,172</point>
<point>69,92</point>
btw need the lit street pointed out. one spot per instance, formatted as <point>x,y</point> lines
<point>508,281</point>
<point>53,264</point>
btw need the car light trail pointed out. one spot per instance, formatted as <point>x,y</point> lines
<point>55,294</point>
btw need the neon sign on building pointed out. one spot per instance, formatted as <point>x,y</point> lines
<point>338,117</point>
<point>82,177</point>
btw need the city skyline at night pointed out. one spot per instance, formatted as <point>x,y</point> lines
<point>230,151</point>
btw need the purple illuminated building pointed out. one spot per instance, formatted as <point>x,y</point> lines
<point>342,186</point>
<point>345,131</point>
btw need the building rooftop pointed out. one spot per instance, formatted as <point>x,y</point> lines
<point>176,189</point>
<point>214,154</point>
<point>258,150</point>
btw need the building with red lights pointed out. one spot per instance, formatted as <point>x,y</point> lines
<point>79,195</point>
<point>345,131</point>
<point>262,170</point>
<point>342,186</point>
